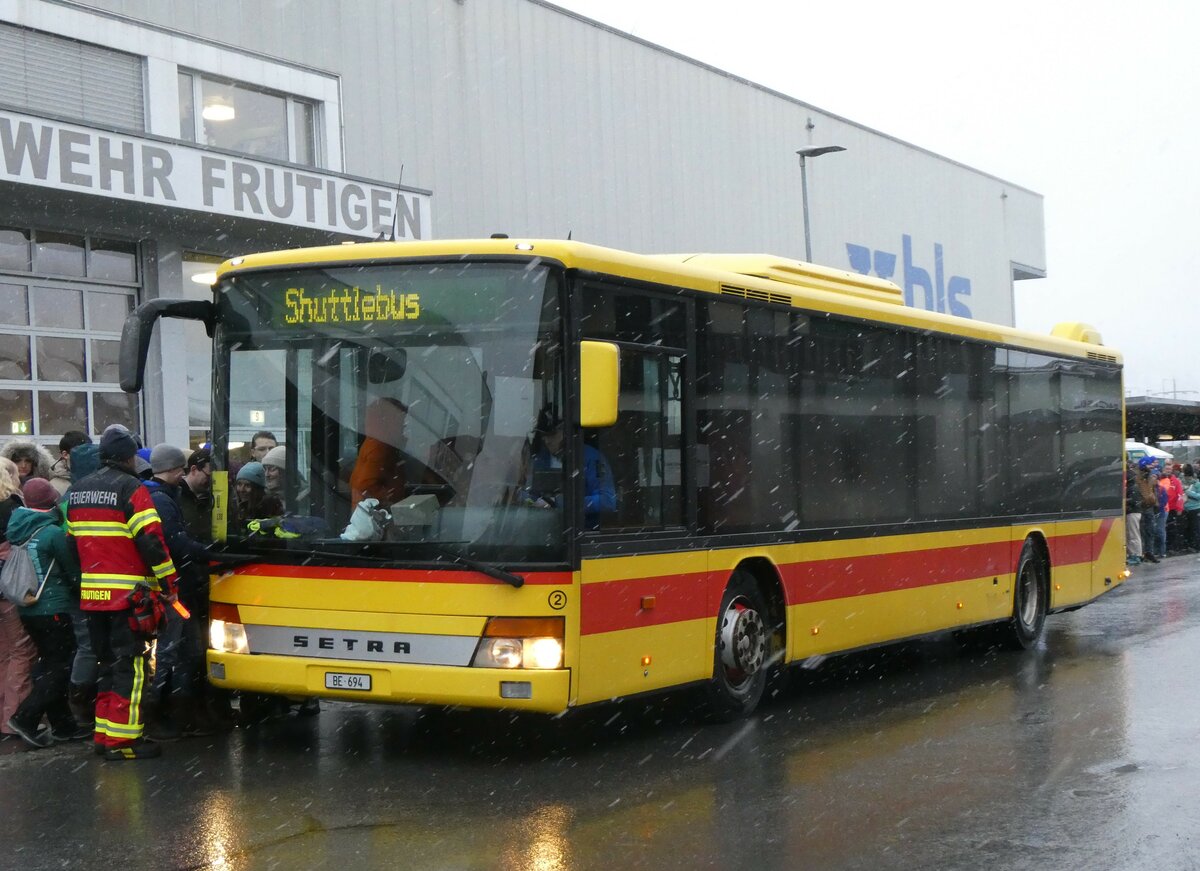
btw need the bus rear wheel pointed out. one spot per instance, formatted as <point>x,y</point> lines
<point>740,658</point>
<point>1031,600</point>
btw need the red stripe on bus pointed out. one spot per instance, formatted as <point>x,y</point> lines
<point>1070,550</point>
<point>821,580</point>
<point>614,605</point>
<point>410,576</point>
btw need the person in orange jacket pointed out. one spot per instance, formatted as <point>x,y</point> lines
<point>1176,500</point>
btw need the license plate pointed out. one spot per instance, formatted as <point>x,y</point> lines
<point>340,680</point>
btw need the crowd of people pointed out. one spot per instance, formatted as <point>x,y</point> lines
<point>1162,508</point>
<point>118,538</point>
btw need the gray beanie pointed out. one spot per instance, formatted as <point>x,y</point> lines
<point>277,457</point>
<point>165,457</point>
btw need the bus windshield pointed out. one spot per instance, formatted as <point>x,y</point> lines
<point>407,400</point>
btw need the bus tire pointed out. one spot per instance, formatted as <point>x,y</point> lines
<point>1031,600</point>
<point>741,651</point>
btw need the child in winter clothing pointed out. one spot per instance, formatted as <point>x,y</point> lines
<point>16,650</point>
<point>47,618</point>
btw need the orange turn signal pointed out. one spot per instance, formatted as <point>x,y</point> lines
<point>524,627</point>
<point>224,611</point>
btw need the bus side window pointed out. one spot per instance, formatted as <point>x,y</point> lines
<point>643,448</point>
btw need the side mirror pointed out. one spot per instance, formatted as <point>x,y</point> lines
<point>139,326</point>
<point>599,384</point>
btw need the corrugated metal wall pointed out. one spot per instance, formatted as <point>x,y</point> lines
<point>525,119</point>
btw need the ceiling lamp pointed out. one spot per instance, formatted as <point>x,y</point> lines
<point>217,109</point>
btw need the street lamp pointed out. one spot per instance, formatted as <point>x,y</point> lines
<point>805,153</point>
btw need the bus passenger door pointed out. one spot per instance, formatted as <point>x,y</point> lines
<point>642,611</point>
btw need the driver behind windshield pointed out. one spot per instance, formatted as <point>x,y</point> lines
<point>600,493</point>
<point>379,471</point>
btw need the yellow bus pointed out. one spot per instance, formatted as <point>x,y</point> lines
<point>538,474</point>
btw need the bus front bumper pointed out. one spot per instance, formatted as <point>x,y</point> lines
<point>516,689</point>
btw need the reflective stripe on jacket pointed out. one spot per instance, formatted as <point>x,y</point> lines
<point>118,535</point>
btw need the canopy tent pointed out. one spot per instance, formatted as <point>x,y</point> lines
<point>1137,450</point>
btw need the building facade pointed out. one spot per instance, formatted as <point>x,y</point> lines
<point>142,142</point>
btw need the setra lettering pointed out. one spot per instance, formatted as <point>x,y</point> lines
<point>329,642</point>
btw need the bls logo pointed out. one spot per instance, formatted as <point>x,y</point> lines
<point>938,294</point>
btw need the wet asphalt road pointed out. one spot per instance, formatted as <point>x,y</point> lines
<point>1082,754</point>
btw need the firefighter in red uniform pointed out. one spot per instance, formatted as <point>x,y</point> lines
<point>127,574</point>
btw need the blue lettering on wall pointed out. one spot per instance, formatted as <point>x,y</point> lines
<point>936,293</point>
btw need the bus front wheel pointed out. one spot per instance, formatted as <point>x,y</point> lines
<point>1031,600</point>
<point>741,652</point>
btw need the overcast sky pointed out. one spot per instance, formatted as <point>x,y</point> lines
<point>1095,105</point>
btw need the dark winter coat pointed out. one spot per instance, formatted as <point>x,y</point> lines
<point>7,507</point>
<point>197,512</point>
<point>189,555</point>
<point>85,459</point>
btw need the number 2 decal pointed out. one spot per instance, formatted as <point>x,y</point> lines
<point>557,600</point>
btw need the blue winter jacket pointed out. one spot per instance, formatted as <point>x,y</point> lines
<point>190,556</point>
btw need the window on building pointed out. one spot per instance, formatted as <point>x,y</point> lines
<point>199,272</point>
<point>51,75</point>
<point>240,117</point>
<point>63,302</point>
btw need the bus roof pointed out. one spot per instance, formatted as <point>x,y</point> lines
<point>760,277</point>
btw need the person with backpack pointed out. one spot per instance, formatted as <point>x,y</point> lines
<point>17,652</point>
<point>39,542</point>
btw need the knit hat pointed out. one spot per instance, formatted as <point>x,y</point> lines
<point>165,457</point>
<point>117,444</point>
<point>120,427</point>
<point>253,472</point>
<point>199,457</point>
<point>276,457</point>
<point>40,494</point>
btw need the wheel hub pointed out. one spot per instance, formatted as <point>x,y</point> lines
<point>743,639</point>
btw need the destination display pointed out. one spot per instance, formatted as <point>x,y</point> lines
<point>349,305</point>
<point>385,297</point>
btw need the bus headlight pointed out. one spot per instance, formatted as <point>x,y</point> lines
<point>499,653</point>
<point>543,653</point>
<point>521,642</point>
<point>227,637</point>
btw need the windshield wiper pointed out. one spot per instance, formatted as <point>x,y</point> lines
<point>516,581</point>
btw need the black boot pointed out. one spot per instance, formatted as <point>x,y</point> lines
<point>192,717</point>
<point>81,697</point>
<point>139,749</point>
<point>160,728</point>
